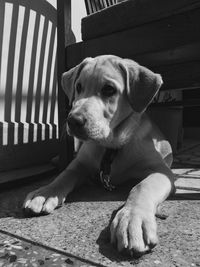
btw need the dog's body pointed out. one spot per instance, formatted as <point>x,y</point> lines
<point>109,97</point>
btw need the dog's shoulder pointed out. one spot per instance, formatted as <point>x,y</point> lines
<point>157,138</point>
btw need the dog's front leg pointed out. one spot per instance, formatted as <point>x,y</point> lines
<point>47,198</point>
<point>134,226</point>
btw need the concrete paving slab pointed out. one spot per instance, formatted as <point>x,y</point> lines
<point>80,227</point>
<point>16,251</point>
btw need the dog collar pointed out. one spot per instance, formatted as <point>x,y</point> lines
<point>105,168</point>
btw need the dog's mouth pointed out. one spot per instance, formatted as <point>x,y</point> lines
<point>78,133</point>
<point>89,132</point>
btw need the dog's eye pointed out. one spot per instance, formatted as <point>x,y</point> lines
<point>108,91</point>
<point>79,88</point>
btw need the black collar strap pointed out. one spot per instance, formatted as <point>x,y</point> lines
<point>105,168</point>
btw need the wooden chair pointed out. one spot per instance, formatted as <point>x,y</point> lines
<point>28,86</point>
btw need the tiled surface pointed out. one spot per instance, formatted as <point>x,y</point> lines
<point>80,227</point>
<point>189,156</point>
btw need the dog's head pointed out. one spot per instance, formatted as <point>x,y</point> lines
<point>104,92</point>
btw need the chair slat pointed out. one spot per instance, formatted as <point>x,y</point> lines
<point>93,6</point>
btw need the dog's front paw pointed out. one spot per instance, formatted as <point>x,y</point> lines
<point>43,200</point>
<point>134,230</point>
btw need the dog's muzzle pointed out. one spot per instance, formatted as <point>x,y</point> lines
<point>76,123</point>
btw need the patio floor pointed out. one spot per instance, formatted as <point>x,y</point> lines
<point>77,233</point>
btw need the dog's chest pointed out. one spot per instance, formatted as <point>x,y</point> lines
<point>126,164</point>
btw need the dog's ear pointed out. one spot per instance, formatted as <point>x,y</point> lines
<point>141,84</point>
<point>69,78</point>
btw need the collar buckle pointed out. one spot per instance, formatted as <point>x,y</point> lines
<point>105,180</point>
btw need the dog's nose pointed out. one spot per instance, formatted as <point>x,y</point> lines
<point>76,121</point>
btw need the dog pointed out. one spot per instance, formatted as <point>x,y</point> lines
<point>109,96</point>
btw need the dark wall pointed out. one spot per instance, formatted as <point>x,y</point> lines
<point>191,115</point>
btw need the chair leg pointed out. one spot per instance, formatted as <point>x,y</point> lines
<point>63,33</point>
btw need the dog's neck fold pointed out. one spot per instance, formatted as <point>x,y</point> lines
<point>123,132</point>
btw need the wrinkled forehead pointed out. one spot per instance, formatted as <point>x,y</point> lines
<point>101,72</point>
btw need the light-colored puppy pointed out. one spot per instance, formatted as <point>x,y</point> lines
<point>109,96</point>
